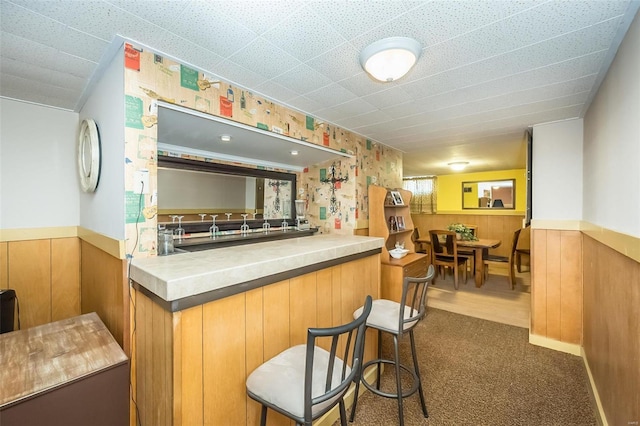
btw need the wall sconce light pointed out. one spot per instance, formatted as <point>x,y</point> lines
<point>334,180</point>
<point>458,165</point>
<point>390,58</point>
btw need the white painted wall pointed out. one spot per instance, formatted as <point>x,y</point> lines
<point>612,143</point>
<point>185,189</point>
<point>557,170</point>
<point>39,186</point>
<point>103,211</point>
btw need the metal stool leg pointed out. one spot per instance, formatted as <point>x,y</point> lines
<point>263,416</point>
<point>379,357</point>
<point>415,366</point>
<point>398,381</point>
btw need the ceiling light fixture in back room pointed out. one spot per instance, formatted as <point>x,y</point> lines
<point>458,165</point>
<point>390,58</point>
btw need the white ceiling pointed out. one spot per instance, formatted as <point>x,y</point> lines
<point>488,70</point>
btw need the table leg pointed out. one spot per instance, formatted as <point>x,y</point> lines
<point>479,273</point>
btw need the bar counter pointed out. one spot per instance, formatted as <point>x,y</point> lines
<point>205,320</point>
<point>183,280</point>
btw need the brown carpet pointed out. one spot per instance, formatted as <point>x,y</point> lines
<point>478,372</point>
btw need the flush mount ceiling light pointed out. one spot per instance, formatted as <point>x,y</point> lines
<point>390,58</point>
<point>294,152</point>
<point>225,138</point>
<point>458,165</point>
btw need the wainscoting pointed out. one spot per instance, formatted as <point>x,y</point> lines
<point>489,226</point>
<point>611,329</point>
<point>556,293</point>
<point>57,277</point>
<point>45,273</point>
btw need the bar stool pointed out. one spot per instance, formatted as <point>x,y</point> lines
<point>397,319</point>
<point>306,381</point>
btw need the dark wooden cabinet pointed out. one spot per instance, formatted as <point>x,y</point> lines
<point>69,372</point>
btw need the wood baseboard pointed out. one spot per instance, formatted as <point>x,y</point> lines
<point>593,391</point>
<point>556,345</point>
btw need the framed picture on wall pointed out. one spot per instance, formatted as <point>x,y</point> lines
<point>397,198</point>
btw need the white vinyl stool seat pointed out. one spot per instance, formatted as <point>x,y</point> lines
<point>280,381</point>
<point>306,381</point>
<point>397,319</point>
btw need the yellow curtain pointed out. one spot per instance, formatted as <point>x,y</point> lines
<point>424,190</point>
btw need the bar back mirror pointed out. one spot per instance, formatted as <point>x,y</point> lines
<point>492,194</point>
<point>190,188</point>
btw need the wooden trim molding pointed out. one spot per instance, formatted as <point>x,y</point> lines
<point>115,248</point>
<point>599,410</point>
<point>26,234</point>
<point>560,225</point>
<point>556,345</point>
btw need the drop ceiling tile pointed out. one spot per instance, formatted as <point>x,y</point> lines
<point>209,27</point>
<point>385,98</point>
<point>186,52</point>
<point>401,25</point>
<point>355,122</point>
<point>73,65</point>
<point>302,79</point>
<point>368,14</point>
<point>40,93</point>
<point>339,63</point>
<point>262,15</point>
<point>310,37</point>
<point>363,84</point>
<point>26,50</point>
<point>30,25</point>
<point>163,13</point>
<point>264,59</point>
<point>241,76</point>
<point>80,44</point>
<point>306,105</point>
<point>274,90</point>
<point>439,21</point>
<point>331,95</point>
<point>39,74</point>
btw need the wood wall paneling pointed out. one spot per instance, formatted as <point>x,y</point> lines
<point>4,266</point>
<point>556,292</point>
<point>29,274</point>
<point>105,290</point>
<point>303,307</point>
<point>611,329</point>
<point>188,355</point>
<point>489,226</point>
<point>255,353</point>
<point>553,283</point>
<point>539,277</point>
<point>224,371</point>
<point>65,278</point>
<point>571,296</point>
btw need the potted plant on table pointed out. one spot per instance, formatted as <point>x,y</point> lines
<point>463,232</point>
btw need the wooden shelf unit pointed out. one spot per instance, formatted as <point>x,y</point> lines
<point>393,270</point>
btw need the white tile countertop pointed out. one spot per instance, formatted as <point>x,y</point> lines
<point>189,274</point>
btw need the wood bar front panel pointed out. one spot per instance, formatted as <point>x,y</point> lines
<point>556,285</point>
<point>197,363</point>
<point>611,329</point>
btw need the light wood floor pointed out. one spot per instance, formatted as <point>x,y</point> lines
<point>494,301</point>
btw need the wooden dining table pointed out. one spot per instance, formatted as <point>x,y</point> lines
<point>478,247</point>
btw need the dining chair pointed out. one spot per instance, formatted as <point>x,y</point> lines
<point>397,319</point>
<point>419,246</point>
<point>470,254</point>
<point>306,381</point>
<point>444,253</point>
<point>510,260</point>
